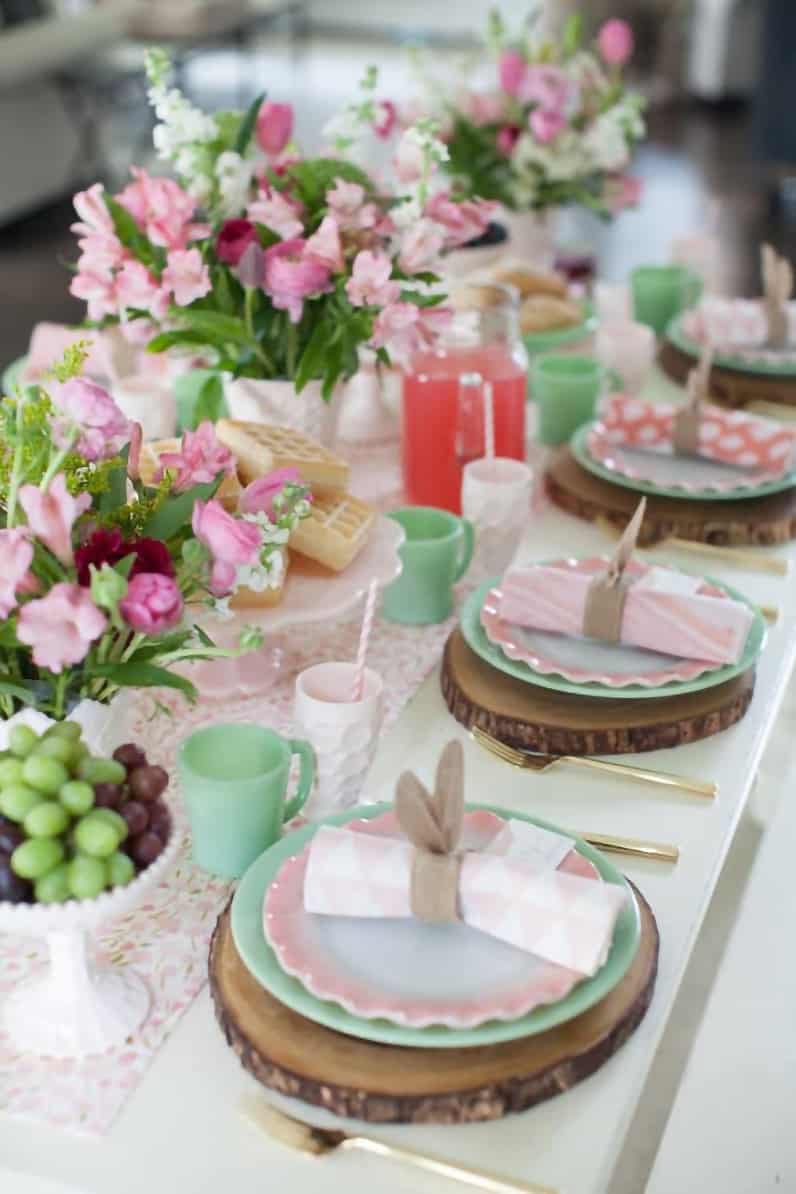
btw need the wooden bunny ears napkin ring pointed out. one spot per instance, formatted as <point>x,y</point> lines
<point>605,600</point>
<point>685,438</point>
<point>777,289</point>
<point>433,824</point>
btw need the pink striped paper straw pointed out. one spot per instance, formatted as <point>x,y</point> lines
<point>364,640</point>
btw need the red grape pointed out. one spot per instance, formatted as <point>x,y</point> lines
<point>136,815</point>
<point>130,756</point>
<point>13,890</point>
<point>160,820</point>
<point>147,783</point>
<point>11,836</point>
<point>108,795</point>
<point>145,849</point>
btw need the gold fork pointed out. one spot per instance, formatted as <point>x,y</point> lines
<point>536,761</point>
<point>731,555</point>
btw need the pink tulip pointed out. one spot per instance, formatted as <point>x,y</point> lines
<point>51,514</point>
<point>386,119</point>
<point>292,274</point>
<point>462,222</point>
<point>161,209</point>
<point>421,247</point>
<point>507,138</point>
<point>232,542</point>
<point>277,212</point>
<point>153,603</point>
<point>326,246</point>
<point>200,459</point>
<point>138,289</point>
<point>511,70</point>
<point>546,125</point>
<point>233,240</point>
<point>258,498</point>
<point>60,627</point>
<point>103,429</point>
<point>16,557</point>
<point>409,160</point>
<point>274,127</point>
<point>615,41</point>
<point>369,284</point>
<point>186,276</point>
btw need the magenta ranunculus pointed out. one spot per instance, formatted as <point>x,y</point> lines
<point>292,274</point>
<point>16,557</point>
<point>200,459</point>
<point>61,626</point>
<point>511,69</point>
<point>258,498</point>
<point>615,41</point>
<point>81,404</point>
<point>546,124</point>
<point>369,284</point>
<point>233,240</point>
<point>507,138</point>
<point>106,546</point>
<point>232,542</point>
<point>274,127</point>
<point>51,514</point>
<point>153,603</point>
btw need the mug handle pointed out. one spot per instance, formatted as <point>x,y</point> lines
<point>306,777</point>
<point>467,548</point>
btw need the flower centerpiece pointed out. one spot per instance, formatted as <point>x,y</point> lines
<point>101,576</point>
<point>278,267</point>
<point>558,127</point>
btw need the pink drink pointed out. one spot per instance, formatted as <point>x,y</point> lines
<point>440,435</point>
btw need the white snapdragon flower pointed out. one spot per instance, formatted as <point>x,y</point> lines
<point>265,573</point>
<point>606,142</point>
<point>234,176</point>
<point>405,215</point>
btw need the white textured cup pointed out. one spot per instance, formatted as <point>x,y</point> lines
<point>343,733</point>
<point>612,301</point>
<point>496,499</point>
<point>150,402</point>
<point>628,348</point>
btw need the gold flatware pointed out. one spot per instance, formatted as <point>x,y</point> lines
<point>306,1138</point>
<point>770,612</point>
<point>772,410</point>
<point>660,851</point>
<point>536,761</point>
<point>731,555</point>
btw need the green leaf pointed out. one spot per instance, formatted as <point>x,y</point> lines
<point>142,675</point>
<point>199,396</point>
<point>313,179</point>
<point>314,359</point>
<point>168,340</point>
<point>156,648</point>
<point>9,687</point>
<point>116,494</point>
<point>572,35</point>
<point>124,565</point>
<point>8,633</point>
<point>203,636</point>
<point>217,326</point>
<point>176,512</point>
<point>210,403</point>
<point>131,236</point>
<point>247,125</point>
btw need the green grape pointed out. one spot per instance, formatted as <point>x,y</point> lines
<point>22,740</point>
<point>88,877</point>
<point>96,836</point>
<point>113,818</point>
<point>102,771</point>
<point>53,888</point>
<point>46,819</point>
<point>17,800</point>
<point>70,730</point>
<point>77,797</point>
<point>121,869</point>
<point>48,775</point>
<point>55,748</point>
<point>36,857</point>
<point>10,771</point>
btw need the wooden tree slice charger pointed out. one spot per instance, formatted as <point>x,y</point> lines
<point>761,521</point>
<point>390,1084</point>
<point>732,388</point>
<point>558,723</point>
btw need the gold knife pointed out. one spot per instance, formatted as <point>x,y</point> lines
<point>660,851</point>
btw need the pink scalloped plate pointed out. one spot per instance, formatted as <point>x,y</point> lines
<point>405,971</point>
<point>584,660</point>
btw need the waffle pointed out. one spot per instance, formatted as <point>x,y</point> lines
<point>531,281</point>
<point>541,313</point>
<point>246,598</point>
<point>228,491</point>
<point>261,447</point>
<point>335,532</point>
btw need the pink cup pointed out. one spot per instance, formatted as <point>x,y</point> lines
<point>629,349</point>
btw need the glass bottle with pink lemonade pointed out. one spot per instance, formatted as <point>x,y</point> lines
<point>446,395</point>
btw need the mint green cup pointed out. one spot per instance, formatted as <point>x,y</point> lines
<point>234,779</point>
<point>662,291</point>
<point>566,388</point>
<point>435,554</point>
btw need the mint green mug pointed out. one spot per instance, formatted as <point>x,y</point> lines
<point>662,291</point>
<point>566,388</point>
<point>234,779</point>
<point>435,554</point>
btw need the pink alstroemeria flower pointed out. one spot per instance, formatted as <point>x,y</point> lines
<point>161,209</point>
<point>546,124</point>
<point>462,222</point>
<point>98,290</point>
<point>482,107</point>
<point>615,41</point>
<point>369,284</point>
<point>403,328</point>
<point>152,604</point>
<point>52,513</point>
<point>325,244</point>
<point>274,127</point>
<point>292,274</point>
<point>421,246</point>
<point>16,557</point>
<point>232,542</point>
<point>61,626</point>
<point>81,404</point>
<point>138,289</point>
<point>258,498</point>
<point>278,213</point>
<point>186,276</point>
<point>200,459</point>
<point>409,161</point>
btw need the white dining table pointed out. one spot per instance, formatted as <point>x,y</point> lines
<point>182,1131</point>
